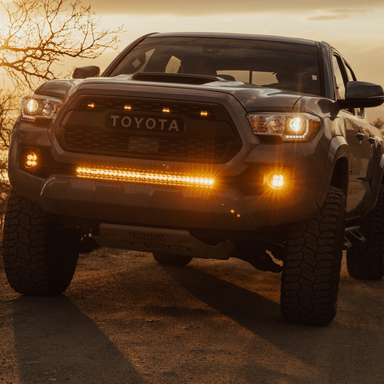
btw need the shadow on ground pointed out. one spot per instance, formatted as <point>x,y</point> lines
<point>56,342</point>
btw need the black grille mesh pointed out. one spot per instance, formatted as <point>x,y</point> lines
<point>92,141</point>
<point>193,145</point>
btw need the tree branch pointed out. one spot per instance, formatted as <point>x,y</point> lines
<point>36,35</point>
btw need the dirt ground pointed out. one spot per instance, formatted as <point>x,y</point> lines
<point>126,319</point>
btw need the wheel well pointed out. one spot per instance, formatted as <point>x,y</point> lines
<point>340,175</point>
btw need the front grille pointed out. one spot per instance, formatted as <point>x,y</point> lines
<point>115,144</point>
<point>204,132</point>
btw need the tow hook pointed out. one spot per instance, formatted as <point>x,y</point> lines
<point>263,262</point>
<point>257,257</point>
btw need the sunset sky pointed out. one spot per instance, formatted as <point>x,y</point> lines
<point>355,28</point>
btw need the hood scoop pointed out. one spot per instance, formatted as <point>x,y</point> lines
<point>178,78</point>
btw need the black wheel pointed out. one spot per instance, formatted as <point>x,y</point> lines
<point>311,271</point>
<point>365,260</point>
<point>169,259</point>
<point>38,258</point>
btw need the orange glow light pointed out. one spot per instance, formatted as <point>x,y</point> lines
<point>31,160</point>
<point>139,176</point>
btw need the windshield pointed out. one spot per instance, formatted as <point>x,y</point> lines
<point>264,63</point>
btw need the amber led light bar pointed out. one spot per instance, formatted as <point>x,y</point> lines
<point>138,176</point>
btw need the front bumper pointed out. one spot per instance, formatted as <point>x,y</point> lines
<point>227,207</point>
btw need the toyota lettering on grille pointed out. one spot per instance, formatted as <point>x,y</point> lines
<point>145,123</point>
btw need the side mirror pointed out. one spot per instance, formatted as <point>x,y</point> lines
<point>359,94</point>
<point>84,72</point>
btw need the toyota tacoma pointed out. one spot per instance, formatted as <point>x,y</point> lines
<point>193,145</point>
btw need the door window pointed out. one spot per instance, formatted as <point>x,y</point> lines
<point>339,78</point>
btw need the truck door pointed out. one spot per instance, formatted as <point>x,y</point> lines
<point>357,133</point>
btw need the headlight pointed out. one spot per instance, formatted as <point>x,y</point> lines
<point>300,126</point>
<point>36,106</point>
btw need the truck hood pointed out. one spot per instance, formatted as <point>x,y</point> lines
<point>253,98</point>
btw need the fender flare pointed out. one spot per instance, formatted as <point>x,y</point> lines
<point>338,149</point>
<point>375,172</point>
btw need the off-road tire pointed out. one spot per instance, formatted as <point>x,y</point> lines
<point>170,259</point>
<point>365,261</point>
<point>38,259</point>
<point>311,271</point>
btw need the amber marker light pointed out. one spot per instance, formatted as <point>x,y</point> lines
<point>166,110</point>
<point>204,113</point>
<point>91,105</point>
<point>31,160</point>
<point>149,177</point>
<point>127,107</point>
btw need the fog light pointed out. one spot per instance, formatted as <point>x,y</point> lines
<point>274,181</point>
<point>31,160</point>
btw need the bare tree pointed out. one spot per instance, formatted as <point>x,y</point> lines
<point>8,110</point>
<point>36,36</point>
<point>379,123</point>
<point>7,117</point>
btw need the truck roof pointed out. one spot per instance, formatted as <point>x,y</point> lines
<point>240,36</point>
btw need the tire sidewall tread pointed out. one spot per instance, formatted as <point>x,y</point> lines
<point>33,261</point>
<point>311,271</point>
<point>365,261</point>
